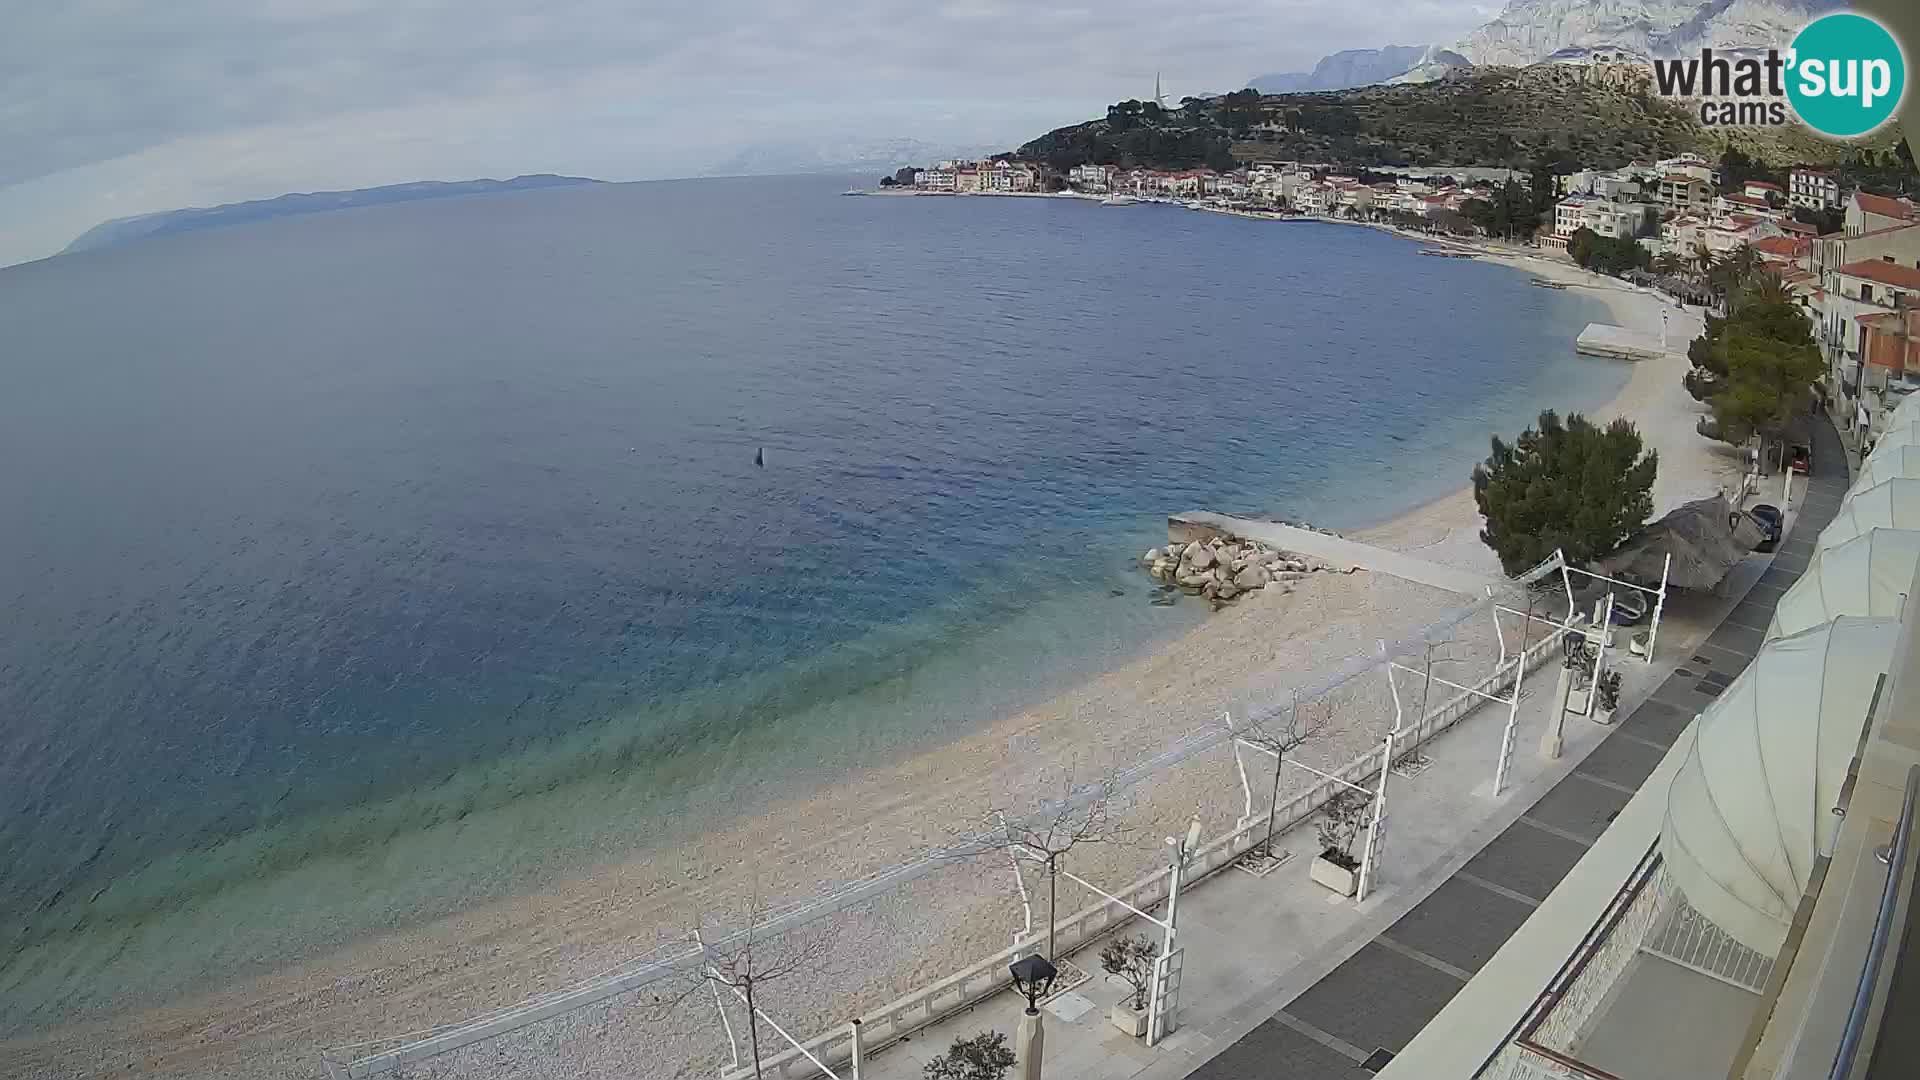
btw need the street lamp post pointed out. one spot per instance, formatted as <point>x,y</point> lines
<point>1032,976</point>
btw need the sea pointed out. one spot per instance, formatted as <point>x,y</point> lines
<point>362,566</point>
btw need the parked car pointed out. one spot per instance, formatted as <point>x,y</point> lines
<point>1800,458</point>
<point>1770,520</point>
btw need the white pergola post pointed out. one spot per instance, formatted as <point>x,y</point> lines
<point>1513,723</point>
<point>1369,855</point>
<point>1659,605</point>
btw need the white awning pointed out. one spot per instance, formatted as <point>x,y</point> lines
<point>1908,412</point>
<point>1867,575</point>
<point>1897,435</point>
<point>1890,504</point>
<point>1751,807</point>
<point>1898,463</point>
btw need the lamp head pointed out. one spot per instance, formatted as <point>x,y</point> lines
<point>1033,976</point>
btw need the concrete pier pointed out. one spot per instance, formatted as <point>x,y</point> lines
<point>1335,551</point>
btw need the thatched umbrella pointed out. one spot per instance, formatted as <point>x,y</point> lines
<point>1701,537</point>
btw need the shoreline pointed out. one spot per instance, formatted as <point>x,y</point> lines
<point>493,954</point>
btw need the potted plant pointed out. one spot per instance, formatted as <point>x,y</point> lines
<point>1606,697</point>
<point>1341,820</point>
<point>1131,960</point>
<point>985,1056</point>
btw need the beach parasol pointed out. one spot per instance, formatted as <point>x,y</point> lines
<point>1698,535</point>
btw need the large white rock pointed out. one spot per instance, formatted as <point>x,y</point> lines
<point>1253,577</point>
<point>1197,555</point>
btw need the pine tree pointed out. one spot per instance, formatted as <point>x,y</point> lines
<point>1569,486</point>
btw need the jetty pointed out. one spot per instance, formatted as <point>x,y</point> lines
<point>1326,548</point>
<point>1618,343</point>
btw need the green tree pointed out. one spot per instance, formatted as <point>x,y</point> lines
<point>1828,220</point>
<point>1765,359</point>
<point>1569,486</point>
<point>1580,246</point>
<point>985,1056</point>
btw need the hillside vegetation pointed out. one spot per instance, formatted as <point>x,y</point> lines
<point>1511,117</point>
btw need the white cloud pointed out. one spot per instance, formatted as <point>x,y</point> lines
<point>109,109</point>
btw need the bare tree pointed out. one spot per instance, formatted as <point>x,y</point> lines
<point>1082,815</point>
<point>742,963</point>
<point>1280,734</point>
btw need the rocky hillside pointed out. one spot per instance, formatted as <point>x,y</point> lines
<point>1344,69</point>
<point>1487,116</point>
<point>1530,31</point>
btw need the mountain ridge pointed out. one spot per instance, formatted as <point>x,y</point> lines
<point>127,230</point>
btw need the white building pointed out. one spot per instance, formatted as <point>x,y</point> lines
<point>1815,188</point>
<point>938,178</point>
<point>1618,220</point>
<point>1867,212</point>
<point>1093,178</point>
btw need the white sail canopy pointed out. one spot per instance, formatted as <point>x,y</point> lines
<point>1867,575</point>
<point>1898,463</point>
<point>1751,807</point>
<point>1897,435</point>
<point>1890,504</point>
<point>1907,413</point>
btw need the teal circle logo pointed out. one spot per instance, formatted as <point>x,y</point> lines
<point>1846,75</point>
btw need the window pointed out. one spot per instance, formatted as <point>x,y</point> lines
<point>1866,293</point>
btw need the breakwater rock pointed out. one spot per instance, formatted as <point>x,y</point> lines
<point>1222,569</point>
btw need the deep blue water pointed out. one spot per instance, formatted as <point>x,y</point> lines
<point>325,540</point>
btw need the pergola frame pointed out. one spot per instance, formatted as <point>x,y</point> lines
<point>1378,794</point>
<point>1162,992</point>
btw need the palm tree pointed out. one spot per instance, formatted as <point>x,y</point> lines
<point>1702,256</point>
<point>1668,263</point>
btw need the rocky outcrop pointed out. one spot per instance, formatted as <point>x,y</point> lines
<point>1343,70</point>
<point>1532,31</point>
<point>1221,569</point>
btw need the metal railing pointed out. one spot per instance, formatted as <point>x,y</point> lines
<point>1863,996</point>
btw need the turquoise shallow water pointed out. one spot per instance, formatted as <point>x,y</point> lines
<point>362,565</point>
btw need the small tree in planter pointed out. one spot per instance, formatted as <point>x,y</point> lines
<point>1131,960</point>
<point>985,1056</point>
<point>1341,820</point>
<point>1606,697</point>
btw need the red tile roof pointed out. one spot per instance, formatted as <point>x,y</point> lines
<point>1800,227</point>
<point>1754,201</point>
<point>1885,207</point>
<point>1762,185</point>
<point>1885,273</point>
<point>1783,246</point>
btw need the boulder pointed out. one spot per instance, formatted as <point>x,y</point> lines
<point>1251,577</point>
<point>1226,591</point>
<point>1197,555</point>
<point>1152,555</point>
<point>1190,580</point>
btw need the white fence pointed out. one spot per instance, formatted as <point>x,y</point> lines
<point>935,1002</point>
<point>938,1000</point>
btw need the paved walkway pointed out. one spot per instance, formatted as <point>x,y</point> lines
<point>1343,553</point>
<point>1286,980</point>
<point>1350,1023</point>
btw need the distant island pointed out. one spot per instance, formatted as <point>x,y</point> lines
<point>140,227</point>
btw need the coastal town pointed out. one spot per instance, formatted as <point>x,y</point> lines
<point>1849,257</point>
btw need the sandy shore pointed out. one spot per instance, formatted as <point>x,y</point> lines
<point>275,1025</point>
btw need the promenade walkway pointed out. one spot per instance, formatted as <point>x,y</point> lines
<point>1342,553</point>
<point>1285,981</point>
<point>1349,1023</point>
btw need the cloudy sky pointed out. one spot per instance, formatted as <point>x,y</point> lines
<point>117,107</point>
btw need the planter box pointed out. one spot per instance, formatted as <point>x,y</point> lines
<point>1333,876</point>
<point>1603,716</point>
<point>1577,701</point>
<point>1127,1019</point>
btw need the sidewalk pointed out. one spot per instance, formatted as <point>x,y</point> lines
<point>1254,944</point>
<point>1283,979</point>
